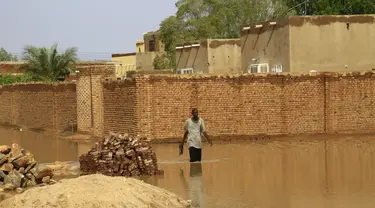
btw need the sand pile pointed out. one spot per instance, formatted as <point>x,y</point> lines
<point>98,191</point>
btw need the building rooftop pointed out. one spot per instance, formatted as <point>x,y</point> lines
<point>318,20</point>
<point>123,54</point>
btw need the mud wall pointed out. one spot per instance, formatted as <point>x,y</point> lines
<point>213,56</point>
<point>332,43</point>
<point>224,56</point>
<point>145,61</point>
<point>194,57</point>
<point>268,44</point>
<point>49,107</point>
<point>300,44</point>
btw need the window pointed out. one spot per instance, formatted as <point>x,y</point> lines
<point>254,68</point>
<point>151,45</point>
<point>263,69</point>
<point>185,71</point>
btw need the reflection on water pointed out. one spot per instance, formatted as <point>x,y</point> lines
<point>45,148</point>
<point>317,171</point>
<point>333,172</point>
<point>194,184</point>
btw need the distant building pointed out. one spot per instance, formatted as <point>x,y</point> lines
<point>143,57</point>
<point>152,42</point>
<point>304,43</point>
<point>153,46</point>
<point>140,46</point>
<point>212,56</point>
<point>124,62</point>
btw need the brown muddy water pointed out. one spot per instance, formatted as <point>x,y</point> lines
<point>309,171</point>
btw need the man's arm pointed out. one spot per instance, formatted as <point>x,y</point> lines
<point>203,130</point>
<point>184,137</point>
<point>181,146</point>
<point>207,137</point>
<point>185,132</point>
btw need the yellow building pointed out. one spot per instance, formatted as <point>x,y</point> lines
<point>124,62</point>
<point>142,58</point>
<point>140,46</point>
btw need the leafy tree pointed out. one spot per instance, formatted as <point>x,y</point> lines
<point>47,64</point>
<point>6,56</point>
<point>332,7</point>
<point>203,19</point>
<point>161,62</point>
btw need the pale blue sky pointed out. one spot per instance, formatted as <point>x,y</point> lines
<point>97,27</point>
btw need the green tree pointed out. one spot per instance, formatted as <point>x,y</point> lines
<point>162,62</point>
<point>6,56</point>
<point>202,19</point>
<point>332,7</point>
<point>47,64</point>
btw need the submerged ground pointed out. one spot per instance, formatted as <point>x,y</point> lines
<point>300,171</point>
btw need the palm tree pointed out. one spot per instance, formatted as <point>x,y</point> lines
<point>47,64</point>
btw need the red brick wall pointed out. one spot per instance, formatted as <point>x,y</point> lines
<point>41,106</point>
<point>240,106</point>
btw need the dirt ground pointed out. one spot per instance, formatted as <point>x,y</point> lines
<point>97,191</point>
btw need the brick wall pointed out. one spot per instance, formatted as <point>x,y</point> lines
<point>119,107</point>
<point>351,103</point>
<point>89,97</point>
<point>240,106</point>
<point>11,67</point>
<point>50,107</point>
<point>234,106</point>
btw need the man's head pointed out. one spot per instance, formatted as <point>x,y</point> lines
<point>194,113</point>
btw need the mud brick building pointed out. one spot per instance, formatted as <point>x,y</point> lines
<point>299,44</point>
<point>211,56</point>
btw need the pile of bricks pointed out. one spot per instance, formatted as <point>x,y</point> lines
<point>18,169</point>
<point>120,155</point>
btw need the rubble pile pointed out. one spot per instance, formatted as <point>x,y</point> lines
<point>120,155</point>
<point>19,170</point>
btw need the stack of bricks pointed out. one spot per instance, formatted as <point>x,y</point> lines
<point>120,155</point>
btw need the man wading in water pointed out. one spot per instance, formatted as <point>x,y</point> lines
<point>193,128</point>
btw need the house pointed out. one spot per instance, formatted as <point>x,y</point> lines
<point>143,58</point>
<point>299,44</point>
<point>213,56</point>
<point>153,46</point>
<point>140,46</point>
<point>152,42</point>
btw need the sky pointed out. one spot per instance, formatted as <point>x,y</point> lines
<point>98,28</point>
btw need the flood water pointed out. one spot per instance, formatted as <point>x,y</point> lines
<point>308,171</point>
